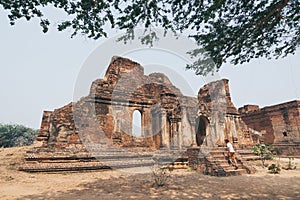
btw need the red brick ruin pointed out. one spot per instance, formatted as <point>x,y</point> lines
<point>279,125</point>
<point>96,132</point>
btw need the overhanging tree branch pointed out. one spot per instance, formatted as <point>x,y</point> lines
<point>232,30</point>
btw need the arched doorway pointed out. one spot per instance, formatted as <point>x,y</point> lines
<point>201,127</point>
<point>137,124</point>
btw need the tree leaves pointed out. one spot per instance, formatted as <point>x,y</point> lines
<point>16,135</point>
<point>229,30</point>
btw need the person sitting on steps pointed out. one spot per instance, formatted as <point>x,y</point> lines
<point>231,153</point>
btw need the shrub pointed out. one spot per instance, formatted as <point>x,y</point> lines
<point>160,175</point>
<point>274,169</point>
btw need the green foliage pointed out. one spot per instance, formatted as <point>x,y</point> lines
<point>274,169</point>
<point>235,31</point>
<point>16,135</point>
<point>264,152</point>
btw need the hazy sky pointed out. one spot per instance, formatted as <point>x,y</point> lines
<point>39,72</point>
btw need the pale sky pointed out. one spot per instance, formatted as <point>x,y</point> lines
<point>39,72</point>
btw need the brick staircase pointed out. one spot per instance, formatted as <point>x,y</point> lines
<point>216,163</point>
<point>221,165</point>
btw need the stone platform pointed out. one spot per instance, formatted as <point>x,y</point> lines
<point>54,160</point>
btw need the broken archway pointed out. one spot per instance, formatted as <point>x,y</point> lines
<point>201,129</point>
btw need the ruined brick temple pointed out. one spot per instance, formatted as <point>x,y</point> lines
<point>279,125</point>
<point>97,131</point>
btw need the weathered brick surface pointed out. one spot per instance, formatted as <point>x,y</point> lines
<point>224,121</point>
<point>169,119</point>
<point>215,162</point>
<point>105,115</point>
<point>281,124</point>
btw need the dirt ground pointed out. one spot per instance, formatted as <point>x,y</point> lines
<point>138,183</point>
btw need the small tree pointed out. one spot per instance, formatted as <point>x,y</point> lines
<point>264,152</point>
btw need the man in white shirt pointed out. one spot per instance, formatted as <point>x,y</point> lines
<point>231,153</point>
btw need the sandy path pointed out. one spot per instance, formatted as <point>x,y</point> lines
<point>137,183</point>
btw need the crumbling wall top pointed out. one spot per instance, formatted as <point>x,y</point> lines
<point>248,108</point>
<point>119,66</point>
<point>214,92</point>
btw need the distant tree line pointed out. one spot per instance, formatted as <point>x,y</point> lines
<point>12,135</point>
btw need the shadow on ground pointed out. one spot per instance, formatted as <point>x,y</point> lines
<point>188,186</point>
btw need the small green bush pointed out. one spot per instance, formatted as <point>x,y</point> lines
<point>274,169</point>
